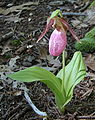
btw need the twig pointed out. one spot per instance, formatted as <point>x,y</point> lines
<point>74,14</point>
<point>92,113</point>
<point>33,106</point>
<point>86,6</point>
<point>21,49</point>
<point>2,95</point>
<point>3,16</point>
<point>85,117</point>
<point>22,112</point>
<point>65,13</point>
<point>6,36</point>
<point>8,113</point>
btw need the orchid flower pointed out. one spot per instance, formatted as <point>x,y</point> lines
<point>58,38</point>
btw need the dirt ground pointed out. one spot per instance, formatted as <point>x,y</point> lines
<point>19,29</point>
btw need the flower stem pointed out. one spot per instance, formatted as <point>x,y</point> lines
<point>63,68</point>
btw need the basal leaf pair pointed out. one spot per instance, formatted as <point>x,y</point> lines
<point>74,72</point>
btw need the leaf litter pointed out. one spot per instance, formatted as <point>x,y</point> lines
<point>18,8</point>
<point>84,22</point>
<point>84,93</point>
<point>90,61</point>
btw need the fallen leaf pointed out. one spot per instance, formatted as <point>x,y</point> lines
<point>17,93</point>
<point>42,52</point>
<point>1,10</point>
<point>3,77</point>
<point>78,24</point>
<point>1,87</point>
<point>90,61</point>
<point>19,85</point>
<point>89,74</point>
<point>12,62</point>
<point>5,50</point>
<point>90,18</point>
<point>49,68</point>
<point>4,68</point>
<point>87,93</point>
<point>56,3</point>
<point>54,62</point>
<point>6,36</point>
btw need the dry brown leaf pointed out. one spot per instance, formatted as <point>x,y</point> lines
<point>84,22</point>
<point>90,16</point>
<point>87,93</point>
<point>42,52</point>
<point>1,10</point>
<point>17,93</point>
<point>78,24</point>
<point>91,75</point>
<point>54,62</point>
<point>12,62</point>
<point>5,50</point>
<point>90,61</point>
<point>4,68</point>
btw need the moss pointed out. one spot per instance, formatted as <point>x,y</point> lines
<point>16,42</point>
<point>86,45</point>
<point>7,55</point>
<point>22,39</point>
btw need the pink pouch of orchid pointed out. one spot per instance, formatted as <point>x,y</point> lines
<point>57,42</point>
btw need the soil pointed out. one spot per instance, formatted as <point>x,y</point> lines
<point>13,105</point>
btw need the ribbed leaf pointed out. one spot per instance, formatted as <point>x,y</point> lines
<point>75,71</point>
<point>38,74</point>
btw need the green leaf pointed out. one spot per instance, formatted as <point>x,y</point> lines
<point>38,74</point>
<point>75,71</point>
<point>86,45</point>
<point>91,33</point>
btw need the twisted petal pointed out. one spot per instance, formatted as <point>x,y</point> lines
<point>69,28</point>
<point>57,42</point>
<point>47,27</point>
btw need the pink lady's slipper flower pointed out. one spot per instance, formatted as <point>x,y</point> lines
<point>57,42</point>
<point>58,38</point>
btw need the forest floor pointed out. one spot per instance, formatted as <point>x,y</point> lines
<point>20,26</point>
